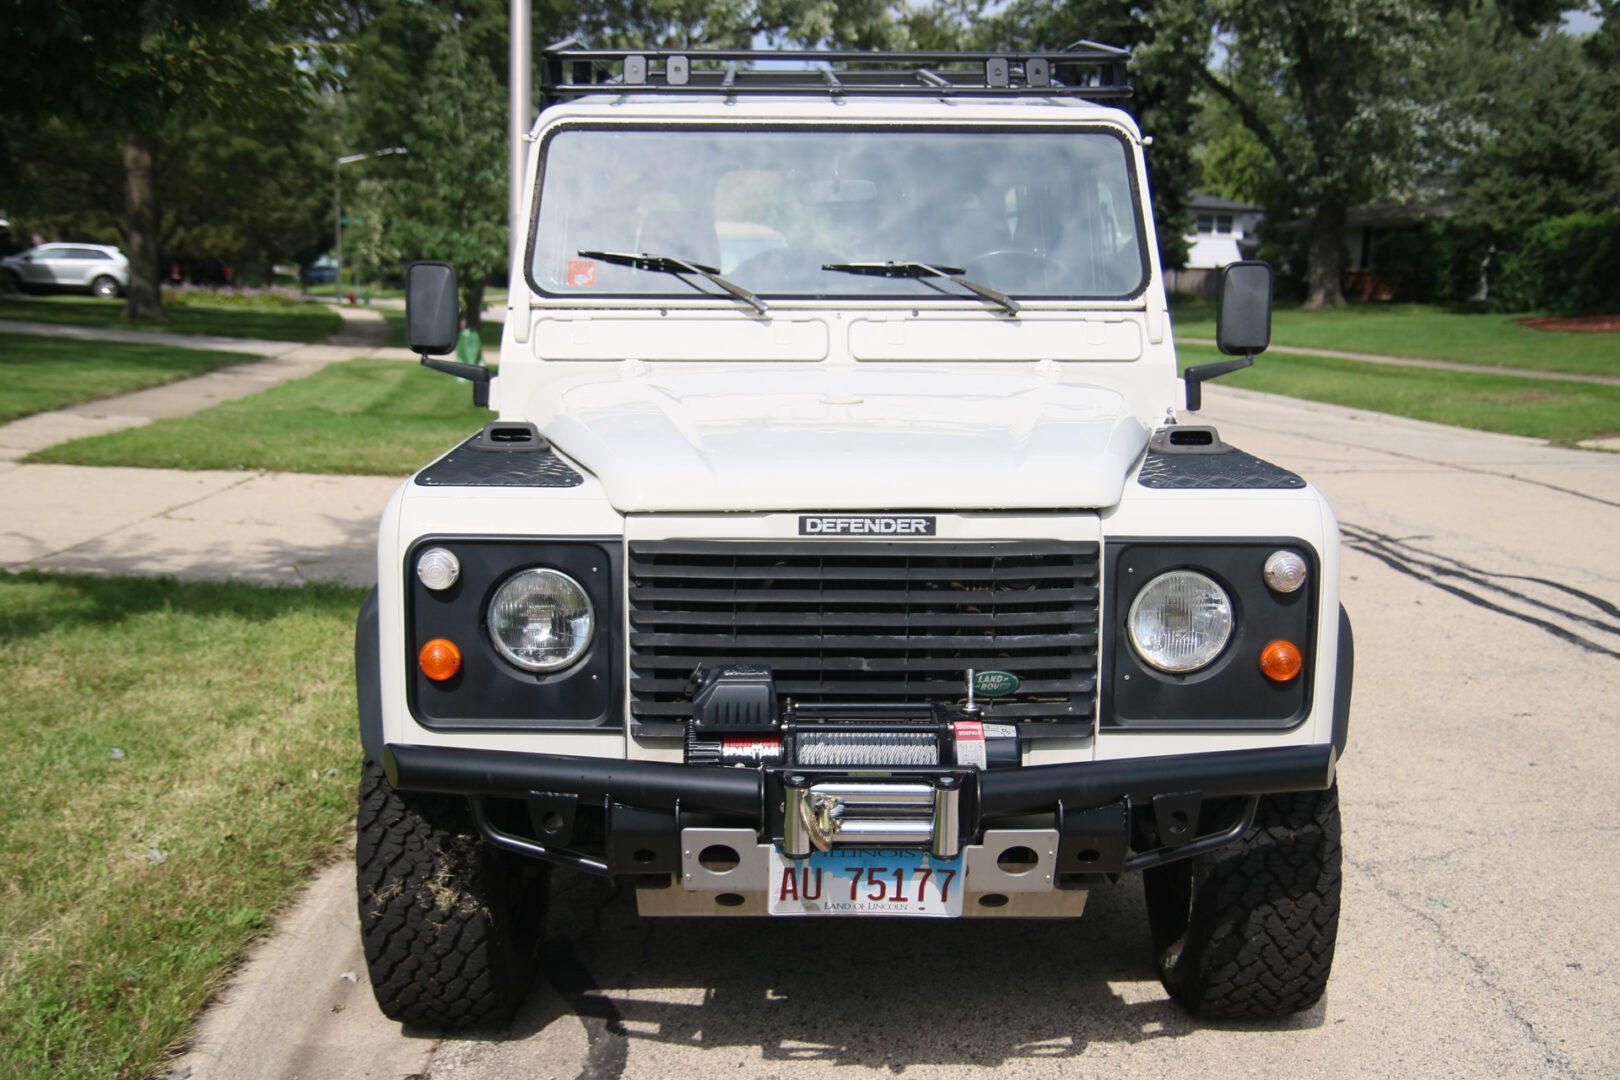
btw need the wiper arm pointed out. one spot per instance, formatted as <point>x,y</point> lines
<point>669,264</point>
<point>912,269</point>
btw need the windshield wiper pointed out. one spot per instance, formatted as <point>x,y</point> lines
<point>668,264</point>
<point>911,269</point>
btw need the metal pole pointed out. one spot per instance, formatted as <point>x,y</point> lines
<point>337,206</point>
<point>521,108</point>
<point>337,228</point>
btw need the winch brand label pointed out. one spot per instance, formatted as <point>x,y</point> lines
<point>844,525</point>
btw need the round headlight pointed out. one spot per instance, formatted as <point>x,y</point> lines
<point>1180,622</point>
<point>541,620</point>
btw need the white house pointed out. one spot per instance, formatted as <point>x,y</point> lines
<point>1222,229</point>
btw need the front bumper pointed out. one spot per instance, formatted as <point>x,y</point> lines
<point>1106,816</point>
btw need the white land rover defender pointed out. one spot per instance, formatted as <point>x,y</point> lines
<point>838,551</point>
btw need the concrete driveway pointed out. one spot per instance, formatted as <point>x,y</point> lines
<point>1479,937</point>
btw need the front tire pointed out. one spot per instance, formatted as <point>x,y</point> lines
<point>450,925</point>
<point>1249,930</point>
<point>104,288</point>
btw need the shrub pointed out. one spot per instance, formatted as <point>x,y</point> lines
<point>1566,265</point>
<point>275,296</point>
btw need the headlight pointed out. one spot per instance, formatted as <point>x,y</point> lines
<point>1180,621</point>
<point>541,620</point>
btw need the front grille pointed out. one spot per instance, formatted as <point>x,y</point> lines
<point>867,622</point>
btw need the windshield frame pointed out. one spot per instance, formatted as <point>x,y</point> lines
<point>686,295</point>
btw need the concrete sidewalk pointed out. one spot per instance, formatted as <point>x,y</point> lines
<point>266,528</point>
<point>251,346</point>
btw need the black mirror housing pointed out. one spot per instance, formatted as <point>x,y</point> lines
<point>1243,308</point>
<point>430,308</point>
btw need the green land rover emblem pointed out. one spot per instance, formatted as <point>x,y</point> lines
<point>994,683</point>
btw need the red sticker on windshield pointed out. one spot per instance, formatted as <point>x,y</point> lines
<point>581,272</point>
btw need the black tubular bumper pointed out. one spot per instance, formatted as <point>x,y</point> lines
<point>657,785</point>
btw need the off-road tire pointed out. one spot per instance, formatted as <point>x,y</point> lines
<point>1248,930</point>
<point>450,925</point>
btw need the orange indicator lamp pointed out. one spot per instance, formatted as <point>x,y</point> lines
<point>439,659</point>
<point>1280,661</point>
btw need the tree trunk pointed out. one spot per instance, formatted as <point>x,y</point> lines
<point>1327,255</point>
<point>144,301</point>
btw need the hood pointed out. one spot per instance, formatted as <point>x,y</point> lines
<point>792,437</point>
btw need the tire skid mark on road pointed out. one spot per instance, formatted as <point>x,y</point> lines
<point>1433,569</point>
<point>1448,566</point>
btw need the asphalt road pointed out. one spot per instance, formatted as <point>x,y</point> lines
<point>1479,937</point>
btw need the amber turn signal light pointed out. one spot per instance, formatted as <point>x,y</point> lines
<point>440,659</point>
<point>1280,661</point>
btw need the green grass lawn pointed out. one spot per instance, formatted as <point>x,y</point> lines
<point>385,417</point>
<point>489,329</point>
<point>305,323</point>
<point>177,757</point>
<point>1426,331</point>
<point>1561,412</point>
<point>38,373</point>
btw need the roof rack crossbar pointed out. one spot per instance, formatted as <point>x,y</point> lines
<point>1085,70</point>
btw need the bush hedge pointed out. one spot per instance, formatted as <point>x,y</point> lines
<point>1568,265</point>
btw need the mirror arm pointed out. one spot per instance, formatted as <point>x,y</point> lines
<point>474,373</point>
<point>1195,376</point>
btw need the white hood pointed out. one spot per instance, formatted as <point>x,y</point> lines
<point>792,437</point>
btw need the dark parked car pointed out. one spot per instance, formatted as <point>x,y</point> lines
<point>196,270</point>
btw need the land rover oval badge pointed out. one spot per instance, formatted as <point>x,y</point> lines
<point>994,683</point>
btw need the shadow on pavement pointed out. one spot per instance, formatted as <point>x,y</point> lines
<point>878,993</point>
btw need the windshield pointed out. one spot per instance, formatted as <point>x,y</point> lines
<point>1034,213</point>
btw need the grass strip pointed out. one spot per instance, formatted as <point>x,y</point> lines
<point>1560,412</point>
<point>177,758</point>
<point>366,416</point>
<point>38,374</point>
<point>1424,331</point>
<point>308,323</point>
<point>489,330</point>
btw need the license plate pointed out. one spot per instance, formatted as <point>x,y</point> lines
<point>866,881</point>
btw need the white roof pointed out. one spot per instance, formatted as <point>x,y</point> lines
<point>845,108</point>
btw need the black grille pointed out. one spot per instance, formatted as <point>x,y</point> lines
<point>867,622</point>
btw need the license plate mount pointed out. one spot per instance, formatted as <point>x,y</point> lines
<point>866,881</point>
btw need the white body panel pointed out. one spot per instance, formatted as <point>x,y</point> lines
<point>701,418</point>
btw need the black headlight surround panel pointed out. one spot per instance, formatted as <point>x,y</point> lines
<point>1231,693</point>
<point>489,693</point>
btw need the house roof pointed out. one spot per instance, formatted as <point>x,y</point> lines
<point>1204,201</point>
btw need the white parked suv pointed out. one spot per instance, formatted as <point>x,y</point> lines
<point>97,269</point>
<point>840,549</point>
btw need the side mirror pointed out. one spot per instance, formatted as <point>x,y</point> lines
<point>430,308</point>
<point>1243,308</point>
<point>430,324</point>
<point>1242,324</point>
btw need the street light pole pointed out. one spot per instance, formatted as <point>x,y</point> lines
<point>337,208</point>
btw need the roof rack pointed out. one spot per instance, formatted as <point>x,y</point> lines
<point>1084,70</point>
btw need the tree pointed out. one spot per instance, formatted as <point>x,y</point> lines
<point>124,69</point>
<point>450,198</point>
<point>1347,99</point>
